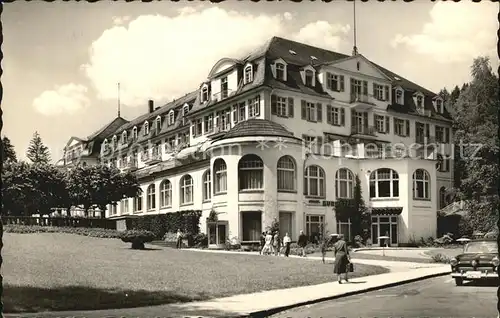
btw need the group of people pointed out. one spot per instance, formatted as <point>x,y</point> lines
<point>272,244</point>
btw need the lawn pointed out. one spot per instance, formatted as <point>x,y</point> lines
<point>52,271</point>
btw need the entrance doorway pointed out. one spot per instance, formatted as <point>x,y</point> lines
<point>385,226</point>
<point>217,233</point>
<point>251,226</point>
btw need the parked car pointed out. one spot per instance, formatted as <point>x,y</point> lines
<point>478,261</point>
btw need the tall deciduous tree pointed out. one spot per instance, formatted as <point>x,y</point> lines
<point>476,125</point>
<point>8,152</point>
<point>37,152</point>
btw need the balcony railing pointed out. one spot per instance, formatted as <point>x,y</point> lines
<point>222,95</point>
<point>363,130</point>
<point>129,165</point>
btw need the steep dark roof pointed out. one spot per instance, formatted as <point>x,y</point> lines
<point>257,127</point>
<point>108,129</point>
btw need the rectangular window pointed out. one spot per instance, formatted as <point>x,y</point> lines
<point>310,111</point>
<point>223,87</point>
<point>382,124</point>
<point>198,128</point>
<point>124,207</point>
<point>335,115</point>
<point>399,97</point>
<point>254,107</point>
<point>335,82</point>
<point>402,127</point>
<point>344,227</point>
<point>380,92</point>
<point>280,71</point>
<point>281,106</point>
<point>138,203</point>
<point>315,226</point>
<point>209,123</point>
<point>252,226</point>
<point>242,111</point>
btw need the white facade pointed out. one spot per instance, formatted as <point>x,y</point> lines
<point>350,101</point>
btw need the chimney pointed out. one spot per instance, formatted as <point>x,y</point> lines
<point>151,104</point>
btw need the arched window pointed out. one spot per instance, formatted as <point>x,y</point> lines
<point>151,197</point>
<point>251,173</point>
<point>344,179</point>
<point>384,183</point>
<point>186,189</point>
<point>207,185</point>
<point>134,133</point>
<point>114,141</point>
<point>286,174</point>
<point>105,145</point>
<point>204,94</point>
<point>171,117</point>
<point>443,200</point>
<point>158,124</point>
<point>314,181</point>
<point>248,74</point>
<point>421,184</point>
<point>165,194</point>
<point>220,176</point>
<point>146,128</point>
<point>124,137</point>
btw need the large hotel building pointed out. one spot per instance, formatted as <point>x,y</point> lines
<point>281,134</point>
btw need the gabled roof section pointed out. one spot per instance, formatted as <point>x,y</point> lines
<point>228,61</point>
<point>364,59</point>
<point>109,129</point>
<point>73,138</point>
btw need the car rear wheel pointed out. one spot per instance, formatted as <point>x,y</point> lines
<point>459,281</point>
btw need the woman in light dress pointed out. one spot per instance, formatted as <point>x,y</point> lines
<point>268,245</point>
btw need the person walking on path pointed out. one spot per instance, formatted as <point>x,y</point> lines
<point>268,247</point>
<point>286,242</point>
<point>262,242</point>
<point>179,238</point>
<point>276,243</point>
<point>302,242</point>
<point>342,258</point>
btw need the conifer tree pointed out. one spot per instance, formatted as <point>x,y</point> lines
<point>37,152</point>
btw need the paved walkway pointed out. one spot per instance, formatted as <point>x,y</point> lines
<point>263,303</point>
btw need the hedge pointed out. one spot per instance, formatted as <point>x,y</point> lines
<point>29,229</point>
<point>187,221</point>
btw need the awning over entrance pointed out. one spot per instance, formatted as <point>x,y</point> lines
<point>387,211</point>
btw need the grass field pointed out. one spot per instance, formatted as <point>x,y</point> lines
<point>51,271</point>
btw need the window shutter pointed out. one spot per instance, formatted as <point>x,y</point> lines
<point>427,130</point>
<point>273,105</point>
<point>377,97</point>
<point>396,124</point>
<point>290,107</point>
<point>386,92</point>
<point>329,81</point>
<point>235,113</point>
<point>193,131</point>
<point>342,117</point>
<point>341,78</point>
<point>329,119</point>
<point>387,124</point>
<point>319,109</point>
<point>353,118</point>
<point>407,128</point>
<point>447,135</point>
<point>365,88</point>
<point>365,119</point>
<point>303,109</point>
<point>417,124</point>
<point>351,83</point>
<point>319,140</point>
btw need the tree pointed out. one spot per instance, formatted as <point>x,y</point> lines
<point>8,152</point>
<point>79,187</point>
<point>455,93</point>
<point>476,125</point>
<point>37,152</point>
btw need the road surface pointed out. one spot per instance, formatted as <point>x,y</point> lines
<point>432,298</point>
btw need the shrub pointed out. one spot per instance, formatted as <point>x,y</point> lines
<point>200,240</point>
<point>137,238</point>
<point>441,258</point>
<point>232,244</point>
<point>310,248</point>
<point>254,247</point>
<point>358,241</point>
<point>444,240</point>
<point>187,221</point>
<point>30,229</point>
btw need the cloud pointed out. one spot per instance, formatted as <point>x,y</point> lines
<point>457,32</point>
<point>65,99</point>
<point>161,58</point>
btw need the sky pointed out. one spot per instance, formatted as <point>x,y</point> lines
<point>63,60</point>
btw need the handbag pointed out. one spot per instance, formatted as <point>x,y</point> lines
<point>350,267</point>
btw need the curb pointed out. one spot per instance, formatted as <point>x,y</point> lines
<point>272,311</point>
<point>390,249</point>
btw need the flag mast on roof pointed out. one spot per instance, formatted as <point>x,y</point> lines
<point>355,48</point>
<point>119,99</point>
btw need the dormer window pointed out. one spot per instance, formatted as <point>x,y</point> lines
<point>185,110</point>
<point>309,78</point>
<point>224,87</point>
<point>105,145</point>
<point>248,74</point>
<point>158,124</point>
<point>399,96</point>
<point>146,128</point>
<point>439,106</point>
<point>114,141</point>
<point>280,71</point>
<point>134,133</point>
<point>419,102</point>
<point>171,116</point>
<point>124,137</point>
<point>204,94</point>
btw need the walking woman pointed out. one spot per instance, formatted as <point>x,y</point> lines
<point>342,258</point>
<point>262,242</point>
<point>268,247</point>
<point>276,243</point>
